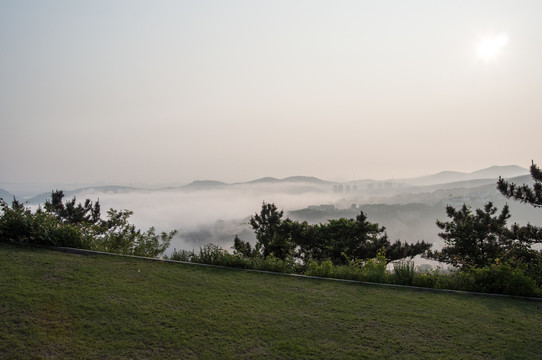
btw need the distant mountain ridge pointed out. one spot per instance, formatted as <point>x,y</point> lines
<point>68,194</point>
<point>304,179</point>
<point>492,172</point>
<point>202,185</point>
<point>444,177</point>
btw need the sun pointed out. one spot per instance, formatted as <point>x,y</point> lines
<point>491,47</point>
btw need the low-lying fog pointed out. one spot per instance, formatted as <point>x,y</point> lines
<point>212,212</point>
<point>206,216</point>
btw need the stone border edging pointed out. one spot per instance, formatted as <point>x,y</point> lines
<point>418,288</point>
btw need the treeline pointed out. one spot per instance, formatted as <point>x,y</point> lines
<point>79,225</point>
<point>340,241</point>
<point>488,255</point>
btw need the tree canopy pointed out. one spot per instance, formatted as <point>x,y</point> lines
<point>481,239</point>
<point>474,238</point>
<point>524,193</point>
<point>79,225</point>
<point>339,240</point>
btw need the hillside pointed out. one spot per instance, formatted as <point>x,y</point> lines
<point>308,184</point>
<point>492,172</point>
<point>59,305</point>
<point>6,195</point>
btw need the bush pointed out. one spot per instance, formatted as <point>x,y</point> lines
<point>323,269</point>
<point>404,273</point>
<point>499,279</point>
<point>182,255</point>
<point>115,234</point>
<point>16,223</point>
<point>351,271</point>
<point>374,270</point>
<point>272,263</point>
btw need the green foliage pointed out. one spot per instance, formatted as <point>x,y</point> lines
<point>375,269</point>
<point>182,255</point>
<point>79,226</point>
<point>16,222</point>
<point>495,278</point>
<point>275,264</point>
<point>266,223</point>
<point>500,279</point>
<point>267,226</point>
<point>117,235</point>
<point>243,248</point>
<point>474,239</point>
<point>69,213</point>
<point>524,193</point>
<point>214,255</point>
<point>55,305</point>
<point>491,256</point>
<point>429,279</point>
<point>404,273</point>
<point>339,240</point>
<point>372,270</point>
<point>323,269</point>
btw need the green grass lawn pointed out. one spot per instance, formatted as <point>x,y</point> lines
<point>56,305</point>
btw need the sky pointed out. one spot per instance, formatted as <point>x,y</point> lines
<point>166,92</point>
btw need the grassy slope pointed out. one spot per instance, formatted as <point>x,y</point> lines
<point>58,305</point>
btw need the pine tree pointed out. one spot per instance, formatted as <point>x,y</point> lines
<point>524,193</point>
<point>474,238</point>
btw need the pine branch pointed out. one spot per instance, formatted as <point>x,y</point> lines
<point>524,193</point>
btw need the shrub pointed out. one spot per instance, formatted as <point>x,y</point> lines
<point>404,273</point>
<point>351,271</point>
<point>182,255</point>
<point>498,278</point>
<point>272,263</point>
<point>115,234</point>
<point>374,270</point>
<point>323,269</point>
<point>16,223</point>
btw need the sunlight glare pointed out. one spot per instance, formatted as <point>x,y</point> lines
<point>491,47</point>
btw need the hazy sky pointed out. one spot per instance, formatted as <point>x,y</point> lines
<point>132,92</point>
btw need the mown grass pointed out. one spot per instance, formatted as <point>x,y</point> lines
<point>59,305</point>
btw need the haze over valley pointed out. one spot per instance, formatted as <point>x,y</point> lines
<point>386,142</point>
<point>128,102</point>
<point>214,212</point>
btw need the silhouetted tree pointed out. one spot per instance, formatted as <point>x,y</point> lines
<point>242,247</point>
<point>474,239</point>
<point>70,213</point>
<point>342,240</point>
<point>272,236</point>
<point>339,240</point>
<point>80,226</point>
<point>524,193</point>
